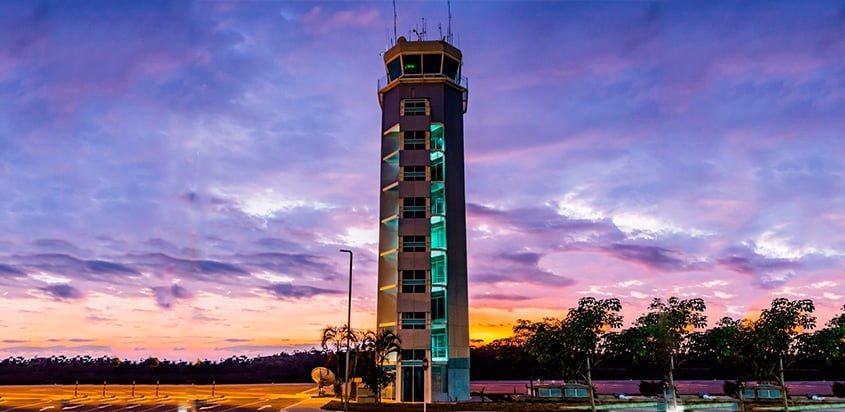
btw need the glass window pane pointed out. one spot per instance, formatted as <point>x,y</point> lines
<point>438,267</point>
<point>413,63</point>
<point>414,140</point>
<point>438,232</point>
<point>437,139</point>
<point>438,171</point>
<point>438,199</point>
<point>438,305</point>
<point>439,344</point>
<point>394,69</point>
<point>450,67</point>
<point>431,63</point>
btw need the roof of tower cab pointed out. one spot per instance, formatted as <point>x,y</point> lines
<point>421,46</point>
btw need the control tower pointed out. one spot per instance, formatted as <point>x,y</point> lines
<point>422,268</point>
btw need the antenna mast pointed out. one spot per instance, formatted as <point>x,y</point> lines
<point>395,37</point>
<point>449,26</point>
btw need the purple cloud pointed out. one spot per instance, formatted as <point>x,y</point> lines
<point>166,297</point>
<point>287,291</point>
<point>63,292</point>
<point>227,149</point>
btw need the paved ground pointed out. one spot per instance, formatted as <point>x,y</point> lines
<point>181,398</point>
<point>691,387</point>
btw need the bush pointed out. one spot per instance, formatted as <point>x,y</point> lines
<point>731,388</point>
<point>839,389</point>
<point>651,388</point>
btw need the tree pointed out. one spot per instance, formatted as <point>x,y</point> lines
<point>775,332</point>
<point>380,346</point>
<point>570,343</point>
<point>331,340</point>
<point>584,328</point>
<point>663,332</point>
<point>826,346</point>
<point>544,341</point>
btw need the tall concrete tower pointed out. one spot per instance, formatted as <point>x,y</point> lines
<point>422,268</point>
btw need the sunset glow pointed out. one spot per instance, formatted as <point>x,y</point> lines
<point>176,178</point>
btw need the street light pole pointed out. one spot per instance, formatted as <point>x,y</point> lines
<point>348,333</point>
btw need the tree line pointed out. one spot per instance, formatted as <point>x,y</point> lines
<point>671,339</point>
<point>283,367</point>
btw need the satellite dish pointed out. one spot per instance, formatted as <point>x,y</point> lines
<point>322,376</point>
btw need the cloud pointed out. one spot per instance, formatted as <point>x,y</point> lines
<point>516,267</point>
<point>57,350</point>
<point>10,271</point>
<point>501,296</point>
<point>288,291</point>
<point>63,292</point>
<point>57,263</point>
<point>166,297</point>
<point>766,272</point>
<point>655,257</point>
<point>199,269</point>
<point>55,244</point>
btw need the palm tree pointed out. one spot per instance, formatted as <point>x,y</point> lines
<point>331,339</point>
<point>381,345</point>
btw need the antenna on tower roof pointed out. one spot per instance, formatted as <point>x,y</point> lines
<point>449,26</point>
<point>395,37</point>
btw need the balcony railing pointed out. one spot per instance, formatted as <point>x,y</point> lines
<point>462,81</point>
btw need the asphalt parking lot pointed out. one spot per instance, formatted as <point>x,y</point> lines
<point>148,398</point>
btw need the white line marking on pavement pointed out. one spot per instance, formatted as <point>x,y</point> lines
<point>26,406</point>
<point>47,407</point>
<point>70,408</point>
<point>291,406</point>
<point>243,405</point>
<point>265,407</point>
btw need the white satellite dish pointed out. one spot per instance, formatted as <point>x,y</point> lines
<point>322,377</point>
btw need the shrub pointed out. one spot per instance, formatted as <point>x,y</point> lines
<point>839,389</point>
<point>651,388</point>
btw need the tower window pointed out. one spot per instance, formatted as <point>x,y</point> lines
<point>394,69</point>
<point>431,63</point>
<point>413,207</point>
<point>413,281</point>
<point>438,199</point>
<point>450,67</point>
<point>437,169</point>
<point>439,344</point>
<point>413,243</point>
<point>414,140</point>
<point>438,306</point>
<point>414,107</point>
<point>412,63</point>
<point>413,173</point>
<point>413,320</point>
<point>413,354</point>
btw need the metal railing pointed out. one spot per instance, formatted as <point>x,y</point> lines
<point>462,81</point>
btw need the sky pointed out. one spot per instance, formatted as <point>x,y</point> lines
<point>176,178</point>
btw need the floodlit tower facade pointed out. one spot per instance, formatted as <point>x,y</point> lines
<point>422,278</point>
